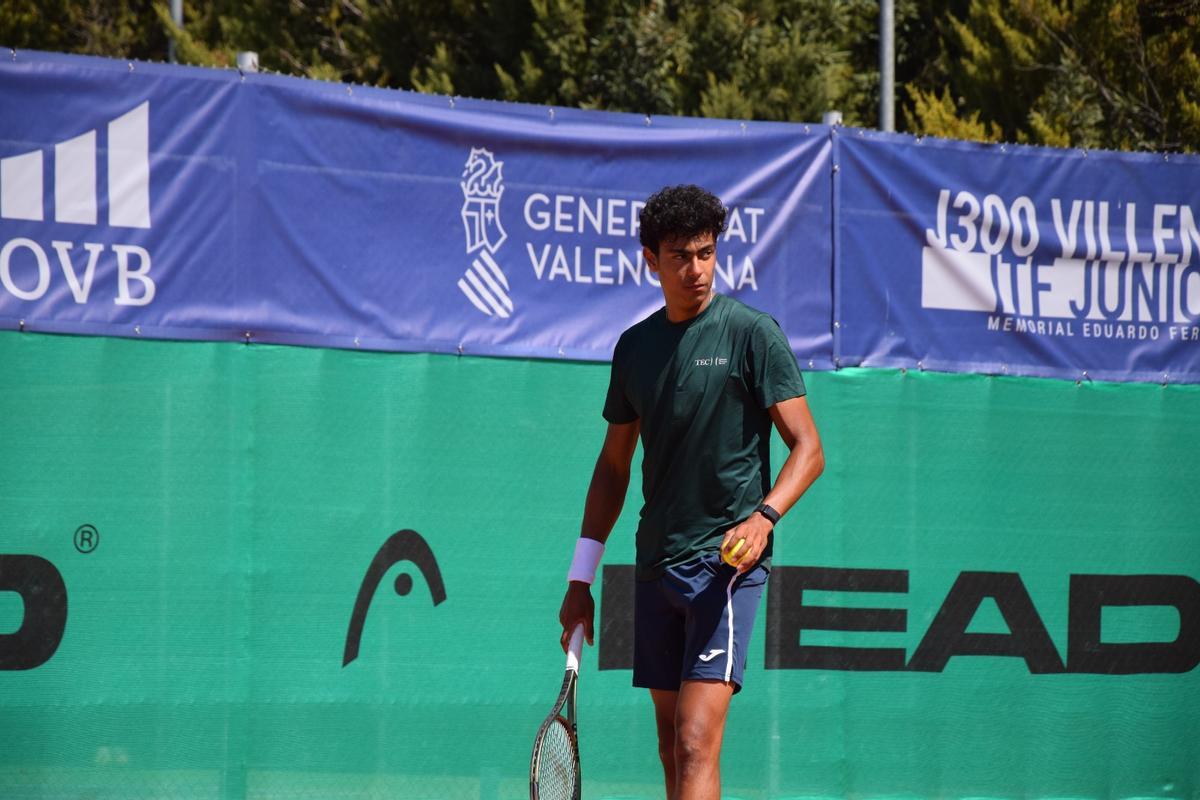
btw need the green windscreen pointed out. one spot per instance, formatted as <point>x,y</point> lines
<point>193,535</point>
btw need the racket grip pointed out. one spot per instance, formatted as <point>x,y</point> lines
<point>575,648</point>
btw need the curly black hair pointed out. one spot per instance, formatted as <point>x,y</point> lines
<point>680,212</point>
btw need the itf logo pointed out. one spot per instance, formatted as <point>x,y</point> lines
<point>484,283</point>
<point>25,264</point>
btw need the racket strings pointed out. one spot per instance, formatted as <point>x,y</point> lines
<point>556,764</point>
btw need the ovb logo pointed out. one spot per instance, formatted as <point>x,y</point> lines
<point>484,283</point>
<point>123,148</point>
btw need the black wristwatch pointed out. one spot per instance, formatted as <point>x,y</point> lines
<point>769,513</point>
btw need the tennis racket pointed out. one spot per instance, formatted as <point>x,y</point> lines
<point>554,767</point>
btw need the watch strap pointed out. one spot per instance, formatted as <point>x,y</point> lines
<point>768,512</point>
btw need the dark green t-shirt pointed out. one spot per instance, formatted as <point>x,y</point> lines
<point>701,389</point>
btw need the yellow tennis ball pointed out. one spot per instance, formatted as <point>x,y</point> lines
<point>727,555</point>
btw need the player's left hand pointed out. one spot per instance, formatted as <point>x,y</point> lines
<point>754,533</point>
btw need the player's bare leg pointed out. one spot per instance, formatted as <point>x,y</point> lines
<point>689,741</point>
<point>664,719</point>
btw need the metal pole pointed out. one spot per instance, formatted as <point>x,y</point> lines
<point>887,64</point>
<point>177,17</point>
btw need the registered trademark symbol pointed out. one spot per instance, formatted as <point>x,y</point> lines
<point>87,538</point>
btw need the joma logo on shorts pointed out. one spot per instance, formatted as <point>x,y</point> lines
<point>711,361</point>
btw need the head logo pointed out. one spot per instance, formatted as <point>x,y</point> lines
<point>405,545</point>
<point>484,283</point>
<point>44,595</point>
<point>75,166</point>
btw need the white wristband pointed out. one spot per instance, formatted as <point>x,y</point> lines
<point>588,553</point>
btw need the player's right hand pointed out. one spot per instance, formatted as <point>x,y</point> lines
<point>577,607</point>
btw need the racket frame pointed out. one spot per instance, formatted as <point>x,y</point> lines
<point>566,699</point>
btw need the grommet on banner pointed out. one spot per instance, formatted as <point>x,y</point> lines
<point>356,342</point>
<point>837,324</point>
<point>743,125</point>
<point>349,91</point>
<point>21,325</point>
<point>247,336</point>
<point>835,167</point>
<point>137,330</point>
<point>647,120</point>
<point>921,366</point>
<point>460,348</point>
<point>551,111</point>
<point>561,353</point>
<point>131,66</point>
<point>451,99</point>
<point>810,364</point>
<point>806,129</point>
<point>1004,368</point>
<point>1164,380</point>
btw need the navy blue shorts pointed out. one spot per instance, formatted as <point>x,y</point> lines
<point>694,623</point>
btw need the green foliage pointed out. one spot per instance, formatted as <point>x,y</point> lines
<point>91,27</point>
<point>938,115</point>
<point>1117,74</point>
<point>1083,73</point>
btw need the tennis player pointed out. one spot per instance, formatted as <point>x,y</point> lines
<point>702,381</point>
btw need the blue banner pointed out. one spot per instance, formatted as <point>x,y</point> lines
<point>149,200</point>
<point>1017,260</point>
<point>175,202</point>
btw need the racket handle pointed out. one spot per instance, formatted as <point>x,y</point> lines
<point>575,648</point>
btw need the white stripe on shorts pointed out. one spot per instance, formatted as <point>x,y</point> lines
<point>729,615</point>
